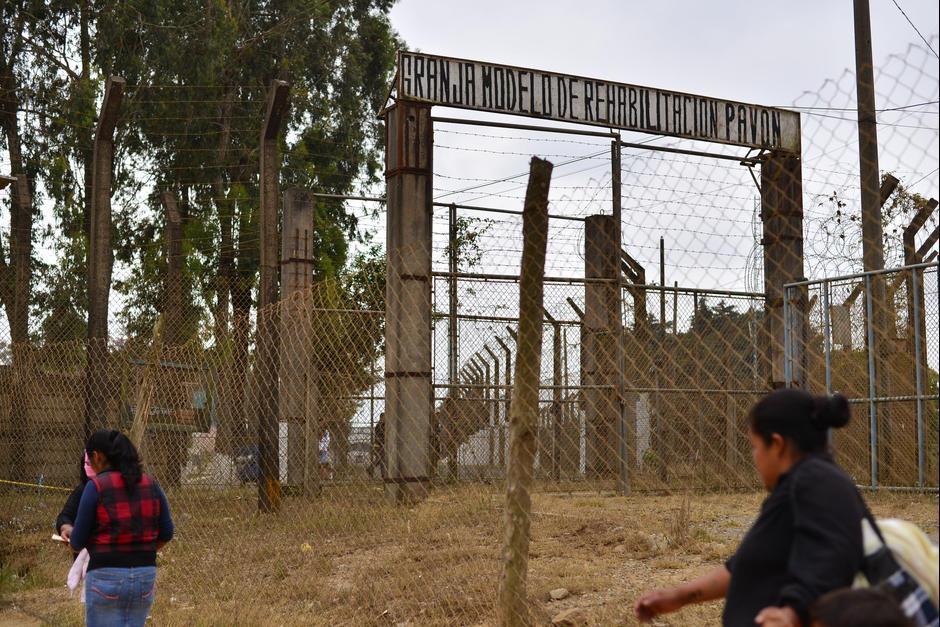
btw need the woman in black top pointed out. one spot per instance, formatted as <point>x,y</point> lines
<point>65,521</point>
<point>807,539</point>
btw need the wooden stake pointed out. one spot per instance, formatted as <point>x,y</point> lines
<point>523,417</point>
<point>145,389</point>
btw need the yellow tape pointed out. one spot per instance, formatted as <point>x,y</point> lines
<point>35,485</point>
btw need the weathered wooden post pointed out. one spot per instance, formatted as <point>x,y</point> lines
<point>100,258</point>
<point>508,402</point>
<point>524,410</point>
<point>602,356</point>
<point>296,351</point>
<point>174,306</point>
<point>409,396</point>
<point>488,397</point>
<point>556,397</point>
<point>495,420</point>
<point>269,484</point>
<point>636,372</point>
<point>581,401</point>
<point>917,323</point>
<point>913,256</point>
<point>477,400</point>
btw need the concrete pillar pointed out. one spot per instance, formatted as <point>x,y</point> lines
<point>269,483</point>
<point>408,173</point>
<point>297,263</point>
<point>602,358</point>
<point>782,219</point>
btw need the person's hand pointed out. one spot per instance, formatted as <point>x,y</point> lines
<point>778,617</point>
<point>657,602</point>
<point>66,532</point>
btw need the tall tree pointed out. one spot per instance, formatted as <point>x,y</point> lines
<point>196,115</point>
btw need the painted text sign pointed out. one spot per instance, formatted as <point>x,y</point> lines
<point>534,93</point>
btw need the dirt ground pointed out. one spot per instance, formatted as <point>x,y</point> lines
<point>348,558</point>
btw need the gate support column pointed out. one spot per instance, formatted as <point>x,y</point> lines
<point>408,173</point>
<point>782,218</point>
<point>602,358</point>
<point>297,261</point>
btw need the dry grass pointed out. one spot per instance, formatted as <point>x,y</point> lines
<point>349,558</point>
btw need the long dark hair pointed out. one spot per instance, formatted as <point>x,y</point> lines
<point>82,475</point>
<point>800,417</point>
<point>120,453</point>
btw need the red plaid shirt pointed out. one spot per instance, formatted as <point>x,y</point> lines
<point>127,520</point>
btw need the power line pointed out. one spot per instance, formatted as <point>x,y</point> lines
<point>916,30</point>
<point>900,108</point>
<point>929,174</point>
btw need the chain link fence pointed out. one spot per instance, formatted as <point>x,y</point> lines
<point>893,440</point>
<point>642,389</point>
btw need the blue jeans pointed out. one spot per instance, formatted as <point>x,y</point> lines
<point>119,597</point>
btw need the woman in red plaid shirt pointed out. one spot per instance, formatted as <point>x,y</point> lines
<point>123,519</point>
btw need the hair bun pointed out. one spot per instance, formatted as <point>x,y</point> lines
<point>831,411</point>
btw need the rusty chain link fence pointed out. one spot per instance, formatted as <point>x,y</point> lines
<point>658,335</point>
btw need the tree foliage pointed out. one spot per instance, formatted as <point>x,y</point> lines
<point>197,76</point>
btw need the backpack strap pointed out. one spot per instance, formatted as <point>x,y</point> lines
<point>870,518</point>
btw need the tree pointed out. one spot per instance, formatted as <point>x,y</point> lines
<point>199,99</point>
<point>16,31</point>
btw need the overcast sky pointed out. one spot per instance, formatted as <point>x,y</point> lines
<point>767,53</point>
<point>760,52</point>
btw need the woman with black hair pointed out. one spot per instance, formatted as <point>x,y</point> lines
<point>66,518</point>
<point>807,539</point>
<point>123,519</point>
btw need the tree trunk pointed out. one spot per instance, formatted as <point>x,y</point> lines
<point>86,149</point>
<point>232,434</point>
<point>15,276</point>
<point>16,301</point>
<point>234,414</point>
<point>226,275</point>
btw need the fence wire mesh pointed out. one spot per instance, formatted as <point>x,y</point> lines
<point>651,356</point>
<point>893,440</point>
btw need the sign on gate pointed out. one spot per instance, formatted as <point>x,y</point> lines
<point>565,98</point>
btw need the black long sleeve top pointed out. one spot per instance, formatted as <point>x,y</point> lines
<point>806,541</point>
<point>70,509</point>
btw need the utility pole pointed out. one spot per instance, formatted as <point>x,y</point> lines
<point>872,236</point>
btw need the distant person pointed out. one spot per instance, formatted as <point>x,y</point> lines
<point>807,539</point>
<point>65,521</point>
<point>862,607</point>
<point>378,447</point>
<point>326,469</point>
<point>123,520</point>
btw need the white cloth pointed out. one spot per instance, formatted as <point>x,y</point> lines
<point>77,573</point>
<point>911,547</point>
